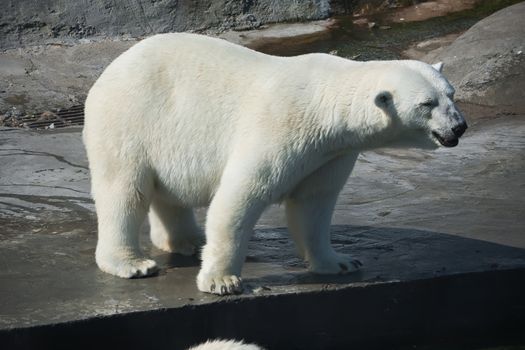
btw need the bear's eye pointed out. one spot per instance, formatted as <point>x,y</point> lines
<point>428,103</point>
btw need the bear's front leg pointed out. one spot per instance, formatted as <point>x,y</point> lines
<point>233,212</point>
<point>309,210</point>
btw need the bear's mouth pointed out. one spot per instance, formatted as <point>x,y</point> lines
<point>451,142</point>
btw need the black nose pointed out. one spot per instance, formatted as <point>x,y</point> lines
<point>459,129</point>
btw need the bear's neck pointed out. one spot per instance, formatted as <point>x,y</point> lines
<point>343,108</point>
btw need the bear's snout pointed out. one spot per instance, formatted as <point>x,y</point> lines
<point>449,135</point>
<point>459,129</point>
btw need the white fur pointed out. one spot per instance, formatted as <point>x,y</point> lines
<point>182,120</point>
<point>225,345</point>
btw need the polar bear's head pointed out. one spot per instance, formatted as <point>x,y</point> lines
<point>418,100</point>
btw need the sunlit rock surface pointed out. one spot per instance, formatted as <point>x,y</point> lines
<point>487,63</point>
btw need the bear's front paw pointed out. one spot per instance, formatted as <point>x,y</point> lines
<point>127,267</point>
<point>219,284</point>
<point>335,264</point>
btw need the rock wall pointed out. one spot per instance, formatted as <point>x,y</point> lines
<point>27,22</point>
<point>486,64</point>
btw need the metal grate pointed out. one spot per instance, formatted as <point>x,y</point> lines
<point>73,116</point>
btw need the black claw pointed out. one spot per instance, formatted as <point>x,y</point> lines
<point>223,290</point>
<point>212,287</point>
<point>153,270</point>
<point>358,262</point>
<point>343,267</point>
<point>238,287</point>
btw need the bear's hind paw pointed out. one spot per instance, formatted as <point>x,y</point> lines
<point>128,268</point>
<point>337,265</point>
<point>187,246</point>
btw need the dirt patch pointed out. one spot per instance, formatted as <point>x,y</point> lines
<point>277,32</point>
<point>430,9</point>
<point>430,48</point>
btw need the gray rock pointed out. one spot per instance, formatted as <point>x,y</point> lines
<point>26,22</point>
<point>17,113</point>
<point>42,77</point>
<point>487,63</point>
<point>56,75</point>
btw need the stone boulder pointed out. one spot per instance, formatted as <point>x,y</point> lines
<point>29,22</point>
<point>486,64</point>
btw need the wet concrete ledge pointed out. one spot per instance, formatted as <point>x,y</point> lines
<point>458,311</point>
<point>417,288</point>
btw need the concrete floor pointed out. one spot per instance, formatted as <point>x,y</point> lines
<point>409,215</point>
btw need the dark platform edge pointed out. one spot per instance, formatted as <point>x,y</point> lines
<point>457,311</point>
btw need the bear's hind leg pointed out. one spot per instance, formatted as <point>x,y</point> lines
<point>173,228</point>
<point>309,212</point>
<point>121,208</point>
<point>309,224</point>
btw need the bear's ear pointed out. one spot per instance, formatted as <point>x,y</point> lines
<point>383,99</point>
<point>438,66</point>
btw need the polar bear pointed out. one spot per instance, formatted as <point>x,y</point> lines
<point>225,345</point>
<point>182,120</point>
